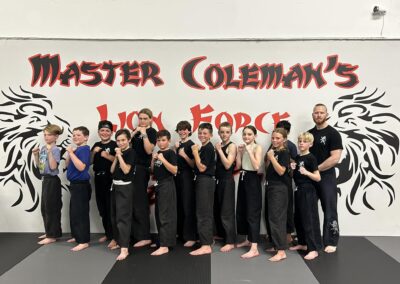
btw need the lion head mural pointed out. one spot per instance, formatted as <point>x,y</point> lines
<point>23,115</point>
<point>371,148</point>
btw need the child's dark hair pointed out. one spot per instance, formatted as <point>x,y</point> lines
<point>123,131</point>
<point>225,124</point>
<point>251,127</point>
<point>82,129</point>
<point>164,133</point>
<point>206,125</point>
<point>284,124</point>
<point>183,125</point>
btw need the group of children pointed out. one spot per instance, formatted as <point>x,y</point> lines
<point>195,188</point>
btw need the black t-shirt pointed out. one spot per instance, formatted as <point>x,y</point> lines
<point>220,170</point>
<point>325,141</point>
<point>207,157</point>
<point>309,162</point>
<point>283,158</point>
<point>101,164</point>
<point>142,158</point>
<point>159,170</point>
<point>187,147</point>
<point>129,157</point>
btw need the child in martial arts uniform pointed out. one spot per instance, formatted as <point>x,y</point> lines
<point>103,154</point>
<point>185,194</point>
<point>291,147</point>
<point>204,187</point>
<point>305,173</point>
<point>47,159</point>
<point>143,142</point>
<point>122,170</point>
<point>78,163</point>
<point>249,203</point>
<point>164,168</point>
<point>224,203</point>
<point>277,191</point>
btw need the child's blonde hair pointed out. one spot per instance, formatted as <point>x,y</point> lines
<point>306,136</point>
<point>53,129</point>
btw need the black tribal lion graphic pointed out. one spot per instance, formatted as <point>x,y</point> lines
<point>23,115</point>
<point>371,148</point>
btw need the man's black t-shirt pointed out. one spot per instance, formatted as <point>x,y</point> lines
<point>325,141</point>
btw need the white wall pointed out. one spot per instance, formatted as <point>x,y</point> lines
<point>189,19</point>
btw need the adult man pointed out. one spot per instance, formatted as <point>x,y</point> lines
<point>327,148</point>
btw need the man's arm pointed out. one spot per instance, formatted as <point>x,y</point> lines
<point>331,162</point>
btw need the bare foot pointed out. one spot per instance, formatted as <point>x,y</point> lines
<point>280,255</point>
<point>42,236</point>
<point>102,239</point>
<point>202,250</point>
<point>113,243</point>
<point>289,238</point>
<point>330,249</point>
<point>123,254</point>
<point>250,254</point>
<point>298,247</point>
<point>311,255</point>
<point>80,247</point>
<point>71,240</point>
<point>227,247</point>
<point>246,243</point>
<point>47,241</point>
<point>153,245</point>
<point>142,243</point>
<point>160,251</point>
<point>271,249</point>
<point>114,247</point>
<point>189,244</point>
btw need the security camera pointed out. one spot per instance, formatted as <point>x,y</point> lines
<point>376,11</point>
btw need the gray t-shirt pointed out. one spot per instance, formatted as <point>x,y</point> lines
<point>44,167</point>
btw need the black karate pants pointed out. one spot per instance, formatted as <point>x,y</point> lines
<point>121,213</point>
<point>79,211</point>
<point>306,217</point>
<point>165,212</point>
<point>327,193</point>
<point>102,183</point>
<point>186,200</point>
<point>290,225</point>
<point>248,208</point>
<point>140,205</point>
<point>204,188</point>
<point>224,209</point>
<point>51,205</point>
<point>277,198</point>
